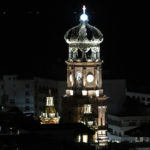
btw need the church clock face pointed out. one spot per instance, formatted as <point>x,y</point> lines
<point>90,78</point>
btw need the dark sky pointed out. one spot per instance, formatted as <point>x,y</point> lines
<point>32,35</point>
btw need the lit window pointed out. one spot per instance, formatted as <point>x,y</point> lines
<point>79,138</point>
<point>84,92</point>
<point>51,115</point>
<point>44,115</point>
<point>97,93</point>
<point>103,132</point>
<point>90,123</point>
<point>85,138</point>
<point>71,92</point>
<point>99,132</point>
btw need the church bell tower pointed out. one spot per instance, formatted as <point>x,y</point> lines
<point>84,78</point>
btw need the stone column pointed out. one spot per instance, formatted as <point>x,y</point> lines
<point>84,76</point>
<point>99,120</point>
<point>100,77</point>
<point>73,76</point>
<point>74,55</point>
<point>68,74</point>
<point>95,76</point>
<point>101,115</point>
<point>70,53</point>
<point>98,53</point>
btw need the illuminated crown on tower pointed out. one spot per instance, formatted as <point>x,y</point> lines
<point>84,37</point>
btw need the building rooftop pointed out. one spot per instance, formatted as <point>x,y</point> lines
<point>128,114</point>
<point>142,131</point>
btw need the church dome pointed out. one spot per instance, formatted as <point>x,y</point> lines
<point>50,109</point>
<point>84,32</point>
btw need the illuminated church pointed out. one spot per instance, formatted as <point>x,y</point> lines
<point>84,101</point>
<point>49,116</point>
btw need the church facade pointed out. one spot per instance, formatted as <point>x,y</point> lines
<point>84,101</point>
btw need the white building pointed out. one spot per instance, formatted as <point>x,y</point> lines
<point>30,94</point>
<point>141,97</point>
<point>119,124</point>
<point>15,92</point>
<point>115,89</point>
<point>27,94</point>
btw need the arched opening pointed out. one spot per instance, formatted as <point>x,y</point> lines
<point>88,54</point>
<point>79,54</point>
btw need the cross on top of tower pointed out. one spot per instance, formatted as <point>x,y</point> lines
<point>84,17</point>
<point>84,8</point>
<point>84,35</point>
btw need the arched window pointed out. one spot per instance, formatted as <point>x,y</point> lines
<point>79,54</point>
<point>88,54</point>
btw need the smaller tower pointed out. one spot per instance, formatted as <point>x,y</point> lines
<point>49,116</point>
<point>102,129</point>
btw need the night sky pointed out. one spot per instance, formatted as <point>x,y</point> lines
<point>32,35</point>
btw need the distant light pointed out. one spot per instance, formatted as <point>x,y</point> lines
<point>90,78</point>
